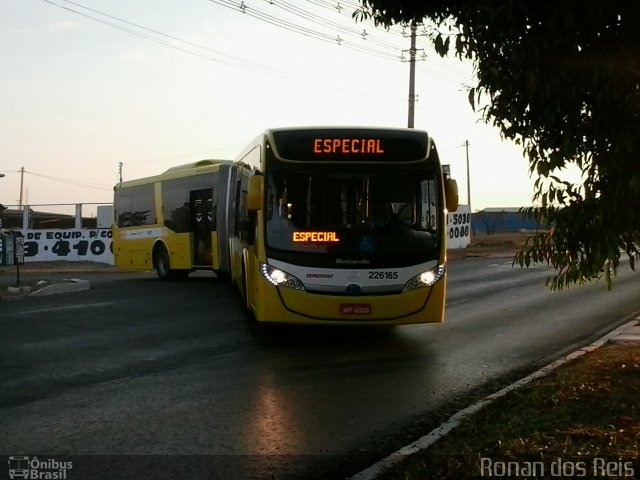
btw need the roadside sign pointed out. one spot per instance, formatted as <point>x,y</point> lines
<point>459,227</point>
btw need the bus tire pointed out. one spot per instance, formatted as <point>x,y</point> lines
<point>161,262</point>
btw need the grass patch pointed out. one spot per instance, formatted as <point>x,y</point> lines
<point>584,414</point>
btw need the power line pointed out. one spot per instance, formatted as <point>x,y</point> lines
<point>386,50</point>
<point>160,41</point>
<point>367,36</point>
<point>363,34</point>
<point>308,32</point>
<point>78,183</point>
<point>246,64</point>
<point>132,32</point>
<point>278,22</point>
<point>390,51</point>
<point>175,157</point>
<point>343,8</point>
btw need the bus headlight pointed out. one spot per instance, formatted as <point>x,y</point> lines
<point>280,278</point>
<point>425,279</point>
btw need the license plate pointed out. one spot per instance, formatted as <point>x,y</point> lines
<point>355,309</point>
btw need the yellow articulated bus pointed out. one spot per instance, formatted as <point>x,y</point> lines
<point>317,225</point>
<point>343,226</point>
<point>179,221</point>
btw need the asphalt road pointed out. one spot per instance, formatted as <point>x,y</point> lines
<point>174,372</point>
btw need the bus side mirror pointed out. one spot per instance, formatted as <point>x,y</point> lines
<point>451,194</point>
<point>254,193</point>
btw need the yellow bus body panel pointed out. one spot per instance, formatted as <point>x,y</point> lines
<point>138,253</point>
<point>215,261</point>
<point>179,246</point>
<point>132,252</point>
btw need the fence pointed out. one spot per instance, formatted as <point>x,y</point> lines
<point>503,220</point>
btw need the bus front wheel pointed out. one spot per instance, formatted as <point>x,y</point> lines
<point>162,263</point>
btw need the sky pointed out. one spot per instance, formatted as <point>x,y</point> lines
<point>91,84</point>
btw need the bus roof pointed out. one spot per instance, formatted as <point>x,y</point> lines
<point>179,171</point>
<point>346,128</point>
<point>193,165</point>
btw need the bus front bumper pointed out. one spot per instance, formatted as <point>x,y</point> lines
<point>286,305</point>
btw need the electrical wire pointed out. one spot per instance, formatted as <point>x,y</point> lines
<point>390,51</point>
<point>305,31</point>
<point>186,155</point>
<point>159,41</point>
<point>342,28</point>
<point>96,186</point>
<point>241,63</point>
<point>341,36</point>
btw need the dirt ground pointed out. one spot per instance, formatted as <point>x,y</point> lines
<point>485,245</point>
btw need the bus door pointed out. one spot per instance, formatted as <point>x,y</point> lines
<point>202,224</point>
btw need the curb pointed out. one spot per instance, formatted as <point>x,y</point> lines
<point>629,332</point>
<point>67,286</point>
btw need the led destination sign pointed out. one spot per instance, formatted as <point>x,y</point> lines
<point>347,145</point>
<point>351,145</point>
<point>319,237</point>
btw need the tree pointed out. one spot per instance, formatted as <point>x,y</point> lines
<point>562,79</point>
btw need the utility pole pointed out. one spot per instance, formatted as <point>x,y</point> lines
<point>466,145</point>
<point>412,75</point>
<point>21,187</point>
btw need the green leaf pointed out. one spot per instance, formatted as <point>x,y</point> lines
<point>561,83</point>
<point>472,99</point>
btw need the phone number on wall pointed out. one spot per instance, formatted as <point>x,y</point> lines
<point>71,245</point>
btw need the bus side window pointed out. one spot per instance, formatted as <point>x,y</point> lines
<point>429,207</point>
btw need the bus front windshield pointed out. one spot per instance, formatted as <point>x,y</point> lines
<point>388,212</point>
